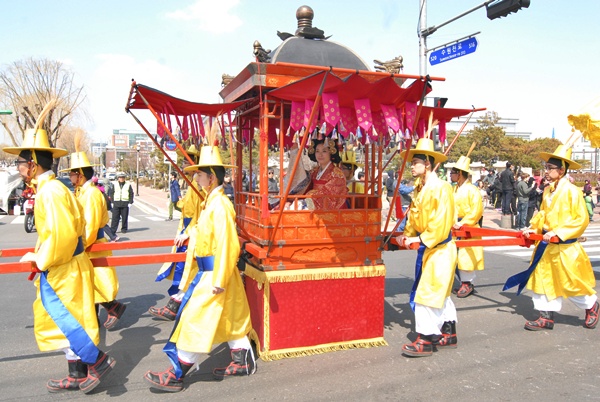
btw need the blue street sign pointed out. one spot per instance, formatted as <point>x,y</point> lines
<point>451,52</point>
<point>170,145</point>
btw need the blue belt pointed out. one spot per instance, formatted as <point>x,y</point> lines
<point>419,269</point>
<point>79,341</point>
<point>522,278</point>
<point>205,264</point>
<point>100,234</point>
<point>176,268</point>
<point>79,249</point>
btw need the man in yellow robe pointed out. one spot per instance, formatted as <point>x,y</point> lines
<point>559,270</point>
<point>190,208</point>
<point>469,210</point>
<point>430,220</point>
<point>64,313</point>
<point>106,282</point>
<point>215,308</point>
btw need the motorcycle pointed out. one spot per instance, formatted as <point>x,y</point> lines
<point>28,205</point>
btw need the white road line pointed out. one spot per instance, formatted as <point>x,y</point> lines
<point>18,220</point>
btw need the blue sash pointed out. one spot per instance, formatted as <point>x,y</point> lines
<point>100,234</point>
<point>179,267</point>
<point>419,269</point>
<point>79,341</point>
<point>205,264</point>
<point>522,278</point>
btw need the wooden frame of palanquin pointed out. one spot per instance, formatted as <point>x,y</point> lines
<point>303,239</point>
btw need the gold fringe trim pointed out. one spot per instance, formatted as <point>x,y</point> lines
<point>320,349</point>
<point>314,274</point>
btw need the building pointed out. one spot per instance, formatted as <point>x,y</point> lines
<point>123,148</point>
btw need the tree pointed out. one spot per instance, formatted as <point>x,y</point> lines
<point>493,144</point>
<point>26,86</point>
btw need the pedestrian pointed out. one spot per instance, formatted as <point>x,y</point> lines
<point>122,197</point>
<point>272,186</point>
<point>559,270</point>
<point>523,191</point>
<point>106,282</point>
<point>63,312</point>
<point>107,230</point>
<point>429,224</point>
<point>587,187</point>
<point>508,186</point>
<point>215,308</point>
<point>390,186</point>
<point>533,196</point>
<point>469,211</point>
<point>176,271</point>
<point>589,204</point>
<point>228,188</point>
<point>404,191</point>
<point>174,195</point>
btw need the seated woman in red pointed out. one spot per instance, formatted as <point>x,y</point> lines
<point>327,188</point>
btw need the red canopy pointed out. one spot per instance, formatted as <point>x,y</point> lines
<point>165,103</point>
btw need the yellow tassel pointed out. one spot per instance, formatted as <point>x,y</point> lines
<point>271,355</point>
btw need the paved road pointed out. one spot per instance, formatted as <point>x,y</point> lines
<point>496,358</point>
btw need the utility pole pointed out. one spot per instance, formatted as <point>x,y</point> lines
<point>500,8</point>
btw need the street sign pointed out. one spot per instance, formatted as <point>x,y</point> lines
<point>170,145</point>
<point>451,52</point>
<point>172,155</point>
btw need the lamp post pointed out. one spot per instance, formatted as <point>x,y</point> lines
<point>137,172</point>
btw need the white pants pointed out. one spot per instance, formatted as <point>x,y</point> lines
<point>541,302</point>
<point>193,358</point>
<point>429,320</point>
<point>467,276</point>
<point>70,355</point>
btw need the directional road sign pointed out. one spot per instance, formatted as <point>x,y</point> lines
<point>451,52</point>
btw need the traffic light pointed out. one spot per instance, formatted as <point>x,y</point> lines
<point>502,8</point>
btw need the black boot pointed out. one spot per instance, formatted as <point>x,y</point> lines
<point>168,312</point>
<point>545,321</point>
<point>167,380</point>
<point>422,347</point>
<point>103,365</point>
<point>243,363</point>
<point>115,310</point>
<point>448,339</point>
<point>77,374</point>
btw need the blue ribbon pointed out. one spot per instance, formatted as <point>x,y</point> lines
<point>419,269</point>
<point>79,341</point>
<point>522,278</point>
<point>205,264</point>
<point>179,267</point>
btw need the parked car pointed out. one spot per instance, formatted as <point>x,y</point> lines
<point>111,176</point>
<point>67,182</point>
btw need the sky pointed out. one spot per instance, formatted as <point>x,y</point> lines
<point>538,65</point>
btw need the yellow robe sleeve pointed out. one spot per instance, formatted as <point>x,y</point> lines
<point>95,212</point>
<point>469,205</point>
<point>562,211</point>
<point>432,212</point>
<point>58,229</point>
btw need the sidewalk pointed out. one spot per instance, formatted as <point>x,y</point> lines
<point>155,201</point>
